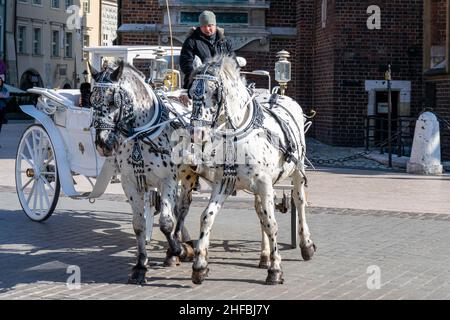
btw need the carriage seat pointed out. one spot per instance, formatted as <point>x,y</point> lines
<point>71,94</point>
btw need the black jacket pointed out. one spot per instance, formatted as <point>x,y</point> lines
<point>198,45</point>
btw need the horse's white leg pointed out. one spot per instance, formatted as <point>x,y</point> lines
<point>200,266</point>
<point>264,261</point>
<point>307,246</point>
<point>270,227</point>
<point>167,220</point>
<point>184,201</point>
<point>136,201</point>
<point>149,214</point>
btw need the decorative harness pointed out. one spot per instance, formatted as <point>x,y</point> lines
<point>126,120</point>
<point>255,121</point>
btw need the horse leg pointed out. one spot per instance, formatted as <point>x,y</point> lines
<point>270,227</point>
<point>167,221</point>
<point>182,208</point>
<point>136,201</point>
<point>307,246</point>
<point>200,266</point>
<point>264,261</point>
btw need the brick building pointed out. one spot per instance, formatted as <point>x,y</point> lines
<point>336,57</point>
<point>436,68</point>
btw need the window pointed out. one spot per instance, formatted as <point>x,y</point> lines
<point>324,13</point>
<point>85,44</point>
<point>55,3</point>
<point>87,6</point>
<point>37,2</point>
<point>21,39</point>
<point>68,45</point>
<point>69,3</point>
<point>436,40</point>
<point>37,36</point>
<point>55,43</point>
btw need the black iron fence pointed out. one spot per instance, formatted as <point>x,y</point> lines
<point>402,134</point>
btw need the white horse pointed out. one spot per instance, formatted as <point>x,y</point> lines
<point>240,151</point>
<point>125,105</point>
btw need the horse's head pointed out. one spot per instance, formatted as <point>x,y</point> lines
<point>209,91</point>
<point>113,108</point>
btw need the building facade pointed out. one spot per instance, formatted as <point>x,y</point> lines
<point>44,43</point>
<point>109,20</point>
<point>436,67</point>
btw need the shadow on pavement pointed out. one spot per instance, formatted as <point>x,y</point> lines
<point>103,247</point>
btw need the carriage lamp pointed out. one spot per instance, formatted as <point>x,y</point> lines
<point>283,70</point>
<point>159,66</point>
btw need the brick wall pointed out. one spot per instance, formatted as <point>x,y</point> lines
<point>356,54</point>
<point>139,12</point>
<point>323,66</point>
<point>443,110</point>
<point>438,24</point>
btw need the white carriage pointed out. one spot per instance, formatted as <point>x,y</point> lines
<point>58,146</point>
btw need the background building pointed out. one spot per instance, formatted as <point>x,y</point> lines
<point>436,66</point>
<point>45,44</point>
<point>338,62</point>
<point>109,20</point>
<point>45,40</point>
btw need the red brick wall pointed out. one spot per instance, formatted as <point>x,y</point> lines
<point>304,53</point>
<point>438,22</point>
<point>443,110</point>
<point>357,55</point>
<point>324,41</point>
<point>140,12</point>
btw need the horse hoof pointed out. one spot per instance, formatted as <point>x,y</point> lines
<point>137,276</point>
<point>188,253</point>
<point>264,262</point>
<point>171,261</point>
<point>198,276</point>
<point>308,252</point>
<point>274,277</point>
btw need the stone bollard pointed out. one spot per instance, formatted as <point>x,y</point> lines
<point>426,150</point>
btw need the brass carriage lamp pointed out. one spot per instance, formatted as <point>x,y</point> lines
<point>159,66</point>
<point>283,70</point>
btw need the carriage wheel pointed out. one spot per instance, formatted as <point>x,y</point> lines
<point>37,181</point>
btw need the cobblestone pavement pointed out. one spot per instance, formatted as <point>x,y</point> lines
<point>410,249</point>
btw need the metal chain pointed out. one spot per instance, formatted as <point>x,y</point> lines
<point>351,157</point>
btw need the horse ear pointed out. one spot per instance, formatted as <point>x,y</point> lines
<point>118,72</point>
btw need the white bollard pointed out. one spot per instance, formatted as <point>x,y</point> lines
<point>426,150</point>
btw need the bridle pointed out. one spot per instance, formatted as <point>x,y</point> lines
<point>121,100</point>
<point>198,96</point>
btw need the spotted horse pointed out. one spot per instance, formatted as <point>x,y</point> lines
<point>246,146</point>
<point>134,125</point>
